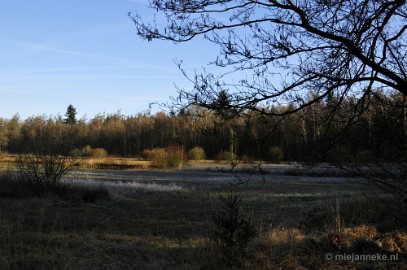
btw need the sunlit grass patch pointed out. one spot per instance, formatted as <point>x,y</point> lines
<point>158,241</point>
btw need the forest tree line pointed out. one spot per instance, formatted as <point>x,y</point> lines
<point>375,130</point>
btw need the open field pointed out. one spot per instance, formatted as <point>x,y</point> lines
<point>162,220</point>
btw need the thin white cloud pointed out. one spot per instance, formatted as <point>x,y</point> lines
<point>114,60</point>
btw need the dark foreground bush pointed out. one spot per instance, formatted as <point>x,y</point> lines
<point>13,186</point>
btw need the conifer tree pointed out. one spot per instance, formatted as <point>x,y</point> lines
<point>70,115</point>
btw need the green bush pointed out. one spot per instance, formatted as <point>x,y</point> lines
<point>165,157</point>
<point>196,153</point>
<point>83,152</point>
<point>98,153</point>
<point>88,151</point>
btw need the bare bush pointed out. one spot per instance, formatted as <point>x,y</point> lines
<point>44,172</point>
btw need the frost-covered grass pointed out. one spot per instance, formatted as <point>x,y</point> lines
<point>125,187</point>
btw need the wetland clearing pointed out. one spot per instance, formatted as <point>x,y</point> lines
<point>162,219</point>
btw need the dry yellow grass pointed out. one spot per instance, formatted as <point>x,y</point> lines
<point>116,163</point>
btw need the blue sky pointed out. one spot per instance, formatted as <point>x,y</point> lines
<point>86,53</point>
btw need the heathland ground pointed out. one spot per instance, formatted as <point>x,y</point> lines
<point>163,219</point>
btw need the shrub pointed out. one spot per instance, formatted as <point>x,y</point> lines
<point>196,153</point>
<point>247,159</point>
<point>275,154</point>
<point>44,172</point>
<point>146,154</point>
<point>165,157</point>
<point>175,156</point>
<point>83,152</point>
<point>98,153</point>
<point>232,232</point>
<point>157,156</point>
<point>86,151</point>
<point>75,153</point>
<point>225,155</point>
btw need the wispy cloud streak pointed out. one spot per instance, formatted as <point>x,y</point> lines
<point>114,60</point>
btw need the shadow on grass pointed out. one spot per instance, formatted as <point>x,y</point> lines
<point>13,186</point>
<point>170,229</point>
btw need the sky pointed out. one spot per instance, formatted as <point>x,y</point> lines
<point>87,53</point>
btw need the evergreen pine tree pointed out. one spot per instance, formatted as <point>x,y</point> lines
<point>70,115</point>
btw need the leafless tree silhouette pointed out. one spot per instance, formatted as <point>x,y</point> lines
<point>288,49</point>
<point>291,52</point>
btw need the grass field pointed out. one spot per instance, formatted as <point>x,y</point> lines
<point>162,220</point>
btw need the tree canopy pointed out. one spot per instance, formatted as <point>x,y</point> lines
<point>289,49</point>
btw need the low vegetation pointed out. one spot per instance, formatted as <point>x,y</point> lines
<point>88,151</point>
<point>136,220</point>
<point>17,187</point>
<point>231,233</point>
<point>164,158</point>
<point>44,172</point>
<point>197,153</point>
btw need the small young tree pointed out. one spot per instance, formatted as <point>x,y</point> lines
<point>232,231</point>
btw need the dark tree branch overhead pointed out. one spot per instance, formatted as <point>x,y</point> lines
<point>287,49</point>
